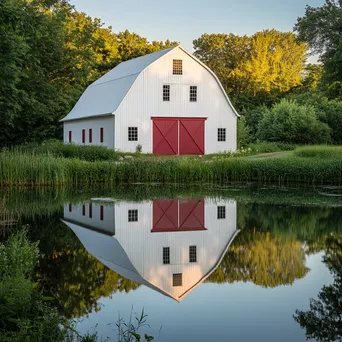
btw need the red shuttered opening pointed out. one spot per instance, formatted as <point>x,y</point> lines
<point>176,216</point>
<point>178,135</point>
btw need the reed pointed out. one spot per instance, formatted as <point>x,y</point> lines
<point>32,170</point>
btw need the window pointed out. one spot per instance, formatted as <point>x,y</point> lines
<point>133,215</point>
<point>101,134</point>
<point>193,93</point>
<point>70,207</point>
<point>90,210</point>
<point>166,255</point>
<point>83,136</point>
<point>166,92</point>
<point>221,212</point>
<point>177,279</point>
<point>192,254</point>
<point>221,134</point>
<point>70,136</point>
<point>90,135</point>
<point>177,67</point>
<point>101,212</point>
<point>83,210</point>
<point>132,133</point>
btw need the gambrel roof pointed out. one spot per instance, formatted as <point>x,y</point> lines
<point>104,96</point>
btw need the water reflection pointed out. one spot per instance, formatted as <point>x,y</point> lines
<point>171,246</point>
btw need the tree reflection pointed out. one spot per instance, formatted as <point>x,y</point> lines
<point>323,321</point>
<point>262,258</point>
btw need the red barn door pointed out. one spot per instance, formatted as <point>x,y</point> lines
<point>165,136</point>
<point>178,135</point>
<point>191,136</point>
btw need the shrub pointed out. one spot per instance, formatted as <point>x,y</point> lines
<point>290,122</point>
<point>59,149</point>
<point>243,134</point>
<point>253,117</point>
<point>329,112</point>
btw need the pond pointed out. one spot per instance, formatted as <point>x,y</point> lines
<point>208,264</point>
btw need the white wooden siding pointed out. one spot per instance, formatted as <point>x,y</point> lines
<point>76,127</point>
<point>144,100</point>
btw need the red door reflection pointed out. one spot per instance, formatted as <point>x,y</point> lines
<point>177,216</point>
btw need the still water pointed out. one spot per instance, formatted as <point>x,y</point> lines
<point>204,265</point>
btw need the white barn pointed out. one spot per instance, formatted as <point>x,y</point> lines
<point>171,246</point>
<point>168,102</point>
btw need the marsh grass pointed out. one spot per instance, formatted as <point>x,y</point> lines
<point>18,168</point>
<point>319,151</point>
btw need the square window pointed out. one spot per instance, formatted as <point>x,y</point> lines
<point>192,254</point>
<point>177,67</point>
<point>166,92</point>
<point>193,93</point>
<point>221,134</point>
<point>132,133</point>
<point>166,255</point>
<point>177,279</point>
<point>221,212</point>
<point>133,215</point>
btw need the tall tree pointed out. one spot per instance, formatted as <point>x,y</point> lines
<point>321,28</point>
<point>266,64</point>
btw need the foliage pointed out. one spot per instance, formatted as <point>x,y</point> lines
<point>243,134</point>
<point>323,321</point>
<point>290,122</point>
<point>329,112</point>
<point>128,331</point>
<point>321,29</point>
<point>262,258</point>
<point>265,64</point>
<point>50,54</point>
<point>59,149</point>
<point>23,314</point>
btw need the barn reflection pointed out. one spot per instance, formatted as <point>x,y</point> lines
<point>171,246</point>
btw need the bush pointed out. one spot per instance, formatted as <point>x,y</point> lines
<point>243,134</point>
<point>253,117</point>
<point>289,122</point>
<point>57,148</point>
<point>329,112</point>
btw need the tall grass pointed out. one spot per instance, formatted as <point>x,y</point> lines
<point>319,151</point>
<point>57,148</point>
<point>21,169</point>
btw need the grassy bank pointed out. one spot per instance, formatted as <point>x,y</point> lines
<point>324,167</point>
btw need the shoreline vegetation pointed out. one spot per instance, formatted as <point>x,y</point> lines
<point>55,164</point>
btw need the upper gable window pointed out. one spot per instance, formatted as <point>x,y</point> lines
<point>193,93</point>
<point>166,92</point>
<point>177,67</point>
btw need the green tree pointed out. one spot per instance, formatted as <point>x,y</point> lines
<point>276,61</point>
<point>321,29</point>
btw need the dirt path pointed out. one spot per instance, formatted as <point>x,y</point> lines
<point>272,154</point>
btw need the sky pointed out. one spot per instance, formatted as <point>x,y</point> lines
<point>186,20</point>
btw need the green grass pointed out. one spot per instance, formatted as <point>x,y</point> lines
<point>32,170</point>
<point>319,151</point>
